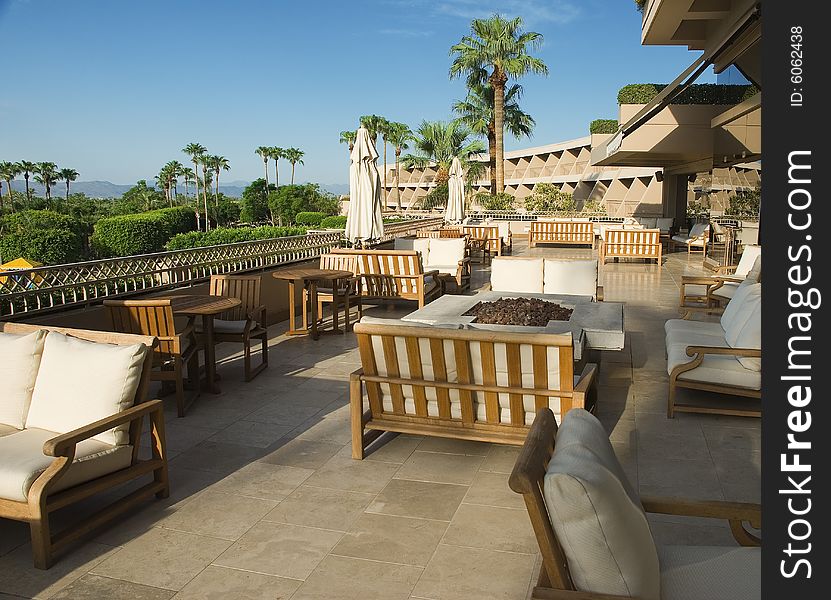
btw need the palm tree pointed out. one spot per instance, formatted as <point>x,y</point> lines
<point>496,51</point>
<point>188,176</point>
<point>47,174</point>
<point>174,168</point>
<point>277,153</point>
<point>163,181</point>
<point>27,168</point>
<point>294,156</point>
<point>476,111</point>
<point>218,164</point>
<point>373,124</point>
<point>348,137</point>
<point>205,185</point>
<point>8,171</point>
<point>68,175</point>
<point>398,134</point>
<point>438,143</point>
<point>265,154</point>
<point>195,150</point>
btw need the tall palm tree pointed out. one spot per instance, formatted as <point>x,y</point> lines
<point>47,175</point>
<point>8,171</point>
<point>398,134</point>
<point>348,137</point>
<point>188,176</point>
<point>174,169</point>
<point>496,51</point>
<point>195,150</point>
<point>476,111</point>
<point>205,184</point>
<point>218,164</point>
<point>294,156</point>
<point>265,154</point>
<point>163,181</point>
<point>68,176</point>
<point>438,143</point>
<point>27,168</point>
<point>277,153</point>
<point>373,124</point>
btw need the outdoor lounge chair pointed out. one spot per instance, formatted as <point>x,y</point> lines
<point>347,296</point>
<point>593,534</point>
<point>576,277</point>
<point>696,239</point>
<point>710,293</point>
<point>448,256</point>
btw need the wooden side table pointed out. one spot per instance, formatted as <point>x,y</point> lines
<point>311,277</point>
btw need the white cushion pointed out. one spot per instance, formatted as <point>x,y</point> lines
<point>445,251</point>
<point>755,272</point>
<point>517,275</point>
<point>648,222</point>
<point>723,369</point>
<point>603,532</point>
<point>664,224</point>
<point>750,336</point>
<point>736,304</point>
<point>745,304</point>
<point>727,290</point>
<point>7,429</point>
<point>578,277</point>
<point>24,461</point>
<point>80,382</point>
<point>711,572</point>
<point>750,254</point>
<point>698,229</point>
<point>704,336</point>
<point>444,269</point>
<point>504,230</point>
<point>421,245</point>
<point>19,361</point>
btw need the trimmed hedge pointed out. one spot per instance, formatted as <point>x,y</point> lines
<point>142,233</point>
<point>46,246</point>
<point>310,219</point>
<point>334,222</point>
<point>699,93</point>
<point>230,235</point>
<point>603,126</point>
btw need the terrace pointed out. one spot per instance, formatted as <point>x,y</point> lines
<point>267,502</point>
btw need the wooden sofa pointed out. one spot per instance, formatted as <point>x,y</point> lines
<point>631,243</point>
<point>394,274</point>
<point>71,416</point>
<point>459,383</point>
<point>447,256</point>
<point>592,529</point>
<point>561,232</point>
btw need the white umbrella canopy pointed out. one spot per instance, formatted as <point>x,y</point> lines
<point>363,220</point>
<point>455,193</point>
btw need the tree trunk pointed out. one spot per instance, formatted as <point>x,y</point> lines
<point>11,198</point>
<point>498,80</point>
<point>265,163</point>
<point>216,195</point>
<point>28,195</point>
<point>1,195</point>
<point>492,156</point>
<point>397,179</point>
<point>292,173</point>
<point>67,190</point>
<point>384,206</point>
<point>196,183</point>
<point>205,197</point>
<point>276,173</point>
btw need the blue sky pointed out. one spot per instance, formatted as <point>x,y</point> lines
<point>115,89</point>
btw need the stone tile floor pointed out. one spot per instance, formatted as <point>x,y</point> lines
<point>266,501</point>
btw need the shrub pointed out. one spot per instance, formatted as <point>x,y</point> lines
<point>254,203</point>
<point>229,235</point>
<point>334,222</point>
<point>744,203</point>
<point>180,219</point>
<point>594,206</point>
<point>603,126</point>
<point>311,219</point>
<point>699,93</point>
<point>549,198</point>
<point>27,221</point>
<point>47,246</point>
<point>288,201</point>
<point>500,201</point>
<point>142,233</point>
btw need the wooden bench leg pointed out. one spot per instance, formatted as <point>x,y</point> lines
<point>41,542</point>
<point>356,405</point>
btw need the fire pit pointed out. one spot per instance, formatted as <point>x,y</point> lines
<point>527,312</point>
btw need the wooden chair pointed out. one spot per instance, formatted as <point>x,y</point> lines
<point>486,238</point>
<point>175,349</point>
<point>244,323</point>
<point>556,581</point>
<point>348,296</point>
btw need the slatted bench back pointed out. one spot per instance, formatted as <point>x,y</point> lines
<point>484,232</point>
<point>561,232</point>
<point>632,243</point>
<point>384,273</point>
<point>245,287</point>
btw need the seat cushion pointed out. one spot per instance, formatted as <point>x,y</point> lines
<point>603,532</point>
<point>7,429</point>
<point>80,382</point>
<point>24,461</point>
<point>720,369</point>
<point>578,277</point>
<point>694,333</point>
<point>20,357</point>
<point>744,305</point>
<point>444,269</point>
<point>223,326</point>
<point>711,572</point>
<point>445,251</point>
<point>517,275</point>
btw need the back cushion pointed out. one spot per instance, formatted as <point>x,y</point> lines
<point>517,275</point>
<point>80,382</point>
<point>744,301</point>
<point>664,223</point>
<point>19,361</point>
<point>698,229</point>
<point>750,335</point>
<point>733,307</point>
<point>755,272</point>
<point>446,251</point>
<point>750,253</point>
<point>570,277</point>
<point>599,523</point>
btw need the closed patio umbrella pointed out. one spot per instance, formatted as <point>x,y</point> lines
<point>363,220</point>
<point>455,193</point>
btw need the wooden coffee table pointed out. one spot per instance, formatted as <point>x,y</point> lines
<point>311,277</point>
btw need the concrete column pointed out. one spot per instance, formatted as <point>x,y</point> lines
<point>674,198</point>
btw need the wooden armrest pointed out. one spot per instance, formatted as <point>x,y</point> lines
<point>735,513</point>
<point>599,293</point>
<point>433,272</point>
<point>356,374</point>
<point>693,350</point>
<point>586,378</point>
<point>700,279</point>
<point>466,259</point>
<point>61,444</point>
<point>257,312</point>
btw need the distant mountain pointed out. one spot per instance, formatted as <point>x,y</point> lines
<point>106,189</point>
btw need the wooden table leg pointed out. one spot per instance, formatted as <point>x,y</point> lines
<point>336,302</point>
<point>210,354</point>
<point>313,302</point>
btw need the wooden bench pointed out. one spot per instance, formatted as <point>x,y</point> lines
<point>485,238</point>
<point>445,232</point>
<point>460,383</point>
<point>631,243</point>
<point>561,232</point>
<point>394,274</point>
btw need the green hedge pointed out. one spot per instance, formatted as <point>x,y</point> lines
<point>603,126</point>
<point>143,233</point>
<point>47,246</point>
<point>335,222</point>
<point>700,93</point>
<point>500,201</point>
<point>310,219</point>
<point>230,235</point>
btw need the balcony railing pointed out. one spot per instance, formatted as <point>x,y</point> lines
<point>63,286</point>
